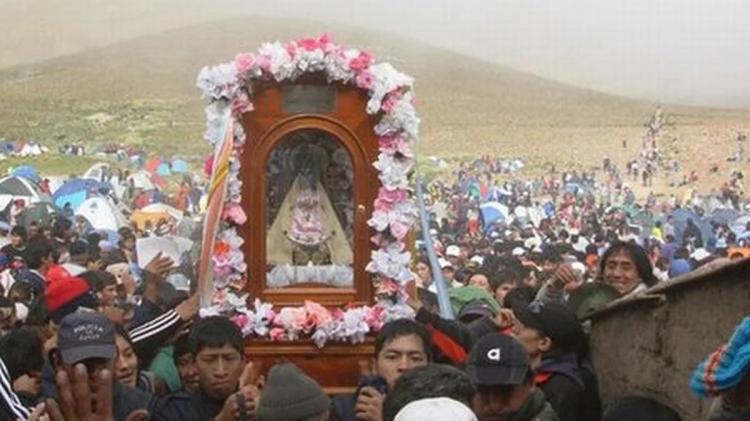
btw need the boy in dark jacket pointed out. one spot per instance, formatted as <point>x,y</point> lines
<point>553,337</point>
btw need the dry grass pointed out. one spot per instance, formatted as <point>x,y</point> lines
<point>468,107</point>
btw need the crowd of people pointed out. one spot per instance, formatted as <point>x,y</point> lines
<point>81,339</point>
<point>88,331</point>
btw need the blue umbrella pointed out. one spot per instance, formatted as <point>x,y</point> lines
<point>28,172</point>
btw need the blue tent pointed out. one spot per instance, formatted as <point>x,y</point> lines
<point>163,170</point>
<point>77,190</point>
<point>28,172</point>
<point>724,216</point>
<point>180,166</point>
<point>680,222</point>
<point>493,212</point>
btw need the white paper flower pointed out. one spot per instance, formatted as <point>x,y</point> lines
<point>394,172</point>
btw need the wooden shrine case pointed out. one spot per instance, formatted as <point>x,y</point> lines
<point>309,142</point>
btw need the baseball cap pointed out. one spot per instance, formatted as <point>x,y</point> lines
<point>86,335</point>
<point>518,251</point>
<point>453,251</point>
<point>554,320</point>
<point>476,308</point>
<point>445,264</point>
<point>497,360</point>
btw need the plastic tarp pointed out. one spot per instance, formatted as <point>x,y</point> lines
<point>102,214</point>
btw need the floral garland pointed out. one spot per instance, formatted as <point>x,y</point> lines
<point>390,93</point>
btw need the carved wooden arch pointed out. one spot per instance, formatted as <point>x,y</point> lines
<point>254,177</point>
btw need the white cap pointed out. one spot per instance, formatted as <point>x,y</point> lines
<point>435,409</point>
<point>444,263</point>
<point>532,242</point>
<point>700,254</point>
<point>477,259</point>
<point>453,251</point>
<point>519,251</point>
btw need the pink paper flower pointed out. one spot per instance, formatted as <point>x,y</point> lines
<point>374,318</point>
<point>317,315</point>
<point>243,62</point>
<point>361,62</point>
<point>399,230</point>
<point>264,61</point>
<point>391,100</point>
<point>241,104</point>
<point>387,198</point>
<point>365,80</point>
<point>243,321</point>
<point>291,49</point>
<point>234,213</point>
<point>277,334</point>
<point>312,44</point>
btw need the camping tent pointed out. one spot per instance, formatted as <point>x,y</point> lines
<point>96,172</point>
<point>27,172</point>
<point>41,212</point>
<point>680,217</point>
<point>180,166</point>
<point>153,164</point>
<point>141,180</point>
<point>12,188</point>
<point>163,170</point>
<point>77,190</point>
<point>493,212</point>
<point>102,214</point>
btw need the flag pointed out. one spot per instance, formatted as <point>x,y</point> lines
<point>216,194</point>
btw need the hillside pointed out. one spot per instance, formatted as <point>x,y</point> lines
<point>142,92</point>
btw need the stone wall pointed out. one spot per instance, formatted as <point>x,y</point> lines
<point>650,345</point>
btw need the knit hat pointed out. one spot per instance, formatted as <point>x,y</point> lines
<point>290,394</point>
<point>435,409</point>
<point>66,296</point>
<point>725,367</point>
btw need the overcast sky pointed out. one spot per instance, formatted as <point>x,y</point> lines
<point>674,51</point>
<point>681,51</point>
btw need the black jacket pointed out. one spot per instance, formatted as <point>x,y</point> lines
<point>562,383</point>
<point>185,406</point>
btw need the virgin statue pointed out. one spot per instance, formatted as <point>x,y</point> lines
<point>306,242</point>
